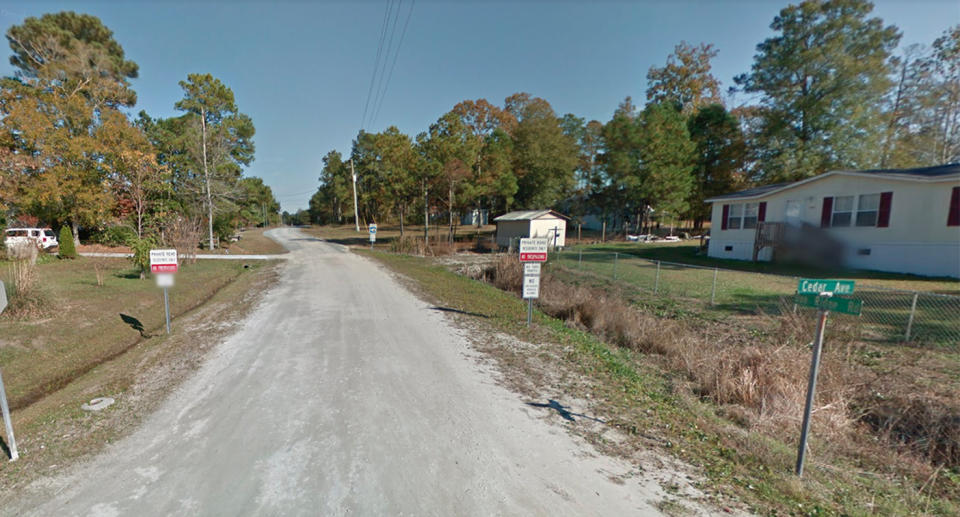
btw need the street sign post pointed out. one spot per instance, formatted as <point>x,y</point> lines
<point>373,234</point>
<point>820,295</point>
<point>533,252</point>
<point>11,441</point>
<point>163,264</point>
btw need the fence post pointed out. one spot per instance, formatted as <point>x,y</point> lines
<point>913,311</point>
<point>580,258</point>
<point>615,255</point>
<point>656,284</point>
<point>713,292</point>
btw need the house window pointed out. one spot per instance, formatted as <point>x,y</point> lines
<point>867,209</point>
<point>842,211</point>
<point>953,213</point>
<point>750,215</point>
<point>736,215</point>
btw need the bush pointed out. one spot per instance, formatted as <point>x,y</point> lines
<point>141,254</point>
<point>119,235</point>
<point>27,299</point>
<point>67,249</point>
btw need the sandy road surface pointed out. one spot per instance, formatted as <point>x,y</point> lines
<point>342,394</point>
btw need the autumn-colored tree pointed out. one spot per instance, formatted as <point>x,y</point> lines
<point>686,80</point>
<point>490,170</point>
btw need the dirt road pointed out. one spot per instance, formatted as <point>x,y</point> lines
<point>342,394</point>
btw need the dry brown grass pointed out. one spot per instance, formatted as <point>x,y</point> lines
<point>28,300</point>
<point>760,381</point>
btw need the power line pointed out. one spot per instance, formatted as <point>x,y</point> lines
<point>376,61</point>
<point>378,91</point>
<point>403,33</point>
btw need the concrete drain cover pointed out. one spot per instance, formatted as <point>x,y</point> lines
<point>98,404</point>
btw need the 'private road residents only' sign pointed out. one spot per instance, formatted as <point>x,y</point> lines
<point>163,261</point>
<point>816,286</point>
<point>533,250</point>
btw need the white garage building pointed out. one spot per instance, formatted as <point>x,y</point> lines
<point>531,223</point>
<point>896,220</point>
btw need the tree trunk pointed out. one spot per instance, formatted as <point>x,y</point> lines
<point>450,204</point>
<point>401,222</point>
<point>75,228</point>
<point>206,174</point>
<point>426,215</point>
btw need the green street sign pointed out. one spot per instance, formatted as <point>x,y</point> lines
<point>817,286</point>
<point>829,303</point>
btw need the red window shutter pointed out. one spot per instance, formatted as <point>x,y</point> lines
<point>726,214</point>
<point>883,216</point>
<point>953,219</point>
<point>827,212</point>
<point>762,212</point>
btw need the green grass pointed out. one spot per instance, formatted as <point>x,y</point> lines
<point>87,324</point>
<point>754,287</point>
<point>687,253</point>
<point>648,404</point>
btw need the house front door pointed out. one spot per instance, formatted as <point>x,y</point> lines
<point>793,214</point>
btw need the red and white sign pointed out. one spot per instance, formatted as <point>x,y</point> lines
<point>163,261</point>
<point>533,250</point>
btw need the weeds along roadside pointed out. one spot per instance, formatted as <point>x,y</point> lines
<point>759,381</point>
<point>739,448</point>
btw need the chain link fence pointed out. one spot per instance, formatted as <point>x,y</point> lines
<point>888,314</point>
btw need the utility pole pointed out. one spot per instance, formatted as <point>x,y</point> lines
<point>356,214</point>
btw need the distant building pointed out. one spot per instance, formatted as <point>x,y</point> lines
<point>897,220</point>
<point>531,223</point>
<point>476,216</point>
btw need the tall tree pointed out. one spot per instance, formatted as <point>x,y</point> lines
<point>720,156</point>
<point>544,157</point>
<point>621,163</point>
<point>225,138</point>
<point>821,80</point>
<point>482,120</point>
<point>333,201</point>
<point>73,53</point>
<point>666,158</point>
<point>686,79</point>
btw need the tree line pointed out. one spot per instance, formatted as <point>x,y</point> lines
<point>830,89</point>
<point>70,156</point>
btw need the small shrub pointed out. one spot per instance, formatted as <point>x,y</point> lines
<point>67,249</point>
<point>141,254</point>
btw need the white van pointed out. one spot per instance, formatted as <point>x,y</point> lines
<point>42,238</point>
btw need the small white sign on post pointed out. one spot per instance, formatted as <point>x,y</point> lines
<point>531,268</point>
<point>164,279</point>
<point>3,297</point>
<point>531,287</point>
<point>373,233</point>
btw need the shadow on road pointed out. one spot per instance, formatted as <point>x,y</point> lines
<point>563,411</point>
<point>134,324</point>
<point>458,311</point>
<point>5,448</point>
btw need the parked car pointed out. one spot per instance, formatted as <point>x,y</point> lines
<point>42,238</point>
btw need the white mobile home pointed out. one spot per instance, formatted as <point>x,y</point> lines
<point>898,220</point>
<point>531,223</point>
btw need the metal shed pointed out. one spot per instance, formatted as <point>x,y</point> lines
<point>531,223</point>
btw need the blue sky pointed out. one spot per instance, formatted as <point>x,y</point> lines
<point>302,69</point>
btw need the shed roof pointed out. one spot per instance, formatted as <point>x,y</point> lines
<point>529,215</point>
<point>925,174</point>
